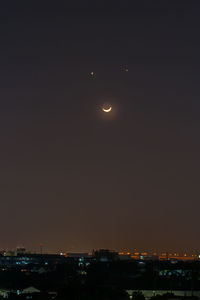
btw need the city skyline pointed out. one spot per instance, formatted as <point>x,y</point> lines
<point>136,254</point>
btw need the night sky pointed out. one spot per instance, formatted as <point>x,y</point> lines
<point>75,178</point>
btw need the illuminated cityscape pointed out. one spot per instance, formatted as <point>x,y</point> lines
<point>120,255</point>
<point>165,275</point>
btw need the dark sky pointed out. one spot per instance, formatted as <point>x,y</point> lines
<point>74,178</point>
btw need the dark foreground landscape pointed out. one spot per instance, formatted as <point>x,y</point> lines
<point>101,276</point>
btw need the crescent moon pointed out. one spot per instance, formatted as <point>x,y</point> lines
<point>107,110</point>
